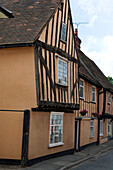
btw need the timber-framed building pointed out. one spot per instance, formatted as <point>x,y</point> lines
<point>39,80</point>
<point>96,98</point>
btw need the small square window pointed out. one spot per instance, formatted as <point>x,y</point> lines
<point>81,89</point>
<point>56,129</point>
<point>62,72</point>
<point>63,32</point>
<point>93,94</point>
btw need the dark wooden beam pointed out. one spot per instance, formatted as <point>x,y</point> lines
<point>24,157</point>
<point>104,103</point>
<point>56,50</point>
<point>70,106</point>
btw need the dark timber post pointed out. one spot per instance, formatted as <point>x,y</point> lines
<point>98,133</point>
<point>98,141</point>
<point>24,158</point>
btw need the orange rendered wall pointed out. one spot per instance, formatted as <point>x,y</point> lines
<point>17,78</point>
<point>85,131</point>
<point>11,134</point>
<point>39,134</point>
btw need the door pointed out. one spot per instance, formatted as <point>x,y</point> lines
<point>77,134</point>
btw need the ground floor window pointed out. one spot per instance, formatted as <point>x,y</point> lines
<point>101,127</point>
<point>91,128</point>
<point>56,129</point>
<point>109,127</point>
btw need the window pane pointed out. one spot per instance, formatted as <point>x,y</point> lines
<point>81,92</point>
<point>60,71</point>
<point>52,134</point>
<point>63,33</point>
<point>81,83</point>
<point>108,97</point>
<point>93,96</point>
<point>93,89</point>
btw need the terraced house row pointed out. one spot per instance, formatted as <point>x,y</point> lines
<point>46,84</point>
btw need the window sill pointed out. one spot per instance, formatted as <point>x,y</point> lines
<point>56,144</point>
<point>101,135</point>
<point>81,98</point>
<point>94,102</point>
<point>62,85</point>
<point>91,137</point>
<point>63,41</point>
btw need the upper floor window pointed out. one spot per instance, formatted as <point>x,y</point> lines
<point>63,32</point>
<point>56,129</point>
<point>62,72</point>
<point>93,94</point>
<point>81,89</point>
<point>108,97</point>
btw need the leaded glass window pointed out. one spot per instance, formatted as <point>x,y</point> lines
<point>81,89</point>
<point>62,72</point>
<point>93,94</point>
<point>56,128</point>
<point>108,97</point>
<point>63,33</point>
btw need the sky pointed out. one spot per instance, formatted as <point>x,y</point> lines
<point>97,35</point>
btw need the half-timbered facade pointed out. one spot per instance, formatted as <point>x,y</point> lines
<point>95,95</point>
<point>39,76</point>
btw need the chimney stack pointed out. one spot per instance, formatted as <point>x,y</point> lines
<point>77,39</point>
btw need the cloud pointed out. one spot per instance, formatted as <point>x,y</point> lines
<point>104,57</point>
<point>92,21</point>
<point>92,7</point>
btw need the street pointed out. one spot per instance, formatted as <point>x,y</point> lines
<point>104,162</point>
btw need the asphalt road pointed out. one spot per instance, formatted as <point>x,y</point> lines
<point>104,162</point>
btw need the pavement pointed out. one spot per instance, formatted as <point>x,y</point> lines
<point>68,161</point>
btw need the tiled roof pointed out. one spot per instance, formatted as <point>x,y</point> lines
<point>29,18</point>
<point>91,71</point>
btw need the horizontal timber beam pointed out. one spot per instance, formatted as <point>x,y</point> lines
<point>56,50</point>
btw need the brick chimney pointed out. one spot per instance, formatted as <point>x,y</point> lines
<point>77,39</point>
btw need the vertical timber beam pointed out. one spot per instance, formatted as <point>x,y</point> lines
<point>98,132</point>
<point>104,103</point>
<point>24,157</point>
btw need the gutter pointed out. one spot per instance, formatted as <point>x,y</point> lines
<point>17,45</point>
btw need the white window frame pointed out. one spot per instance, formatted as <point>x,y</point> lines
<point>80,86</point>
<point>61,142</point>
<point>101,128</point>
<point>94,93</point>
<point>109,127</point>
<point>91,128</point>
<point>63,25</point>
<point>63,61</point>
<point>109,101</point>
